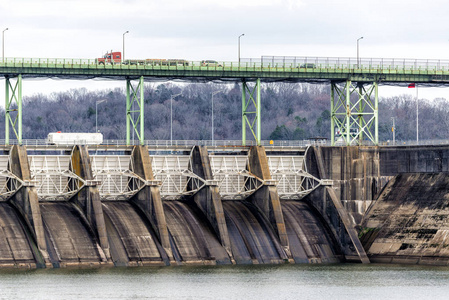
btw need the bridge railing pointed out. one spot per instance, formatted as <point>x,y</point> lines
<point>272,63</point>
<point>229,143</point>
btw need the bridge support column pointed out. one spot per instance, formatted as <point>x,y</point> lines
<point>251,111</point>
<point>356,118</point>
<point>149,199</point>
<point>208,199</point>
<point>88,198</point>
<point>26,200</point>
<point>135,95</point>
<point>266,198</point>
<point>13,108</point>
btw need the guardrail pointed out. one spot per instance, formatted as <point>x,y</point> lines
<point>229,143</point>
<point>272,63</point>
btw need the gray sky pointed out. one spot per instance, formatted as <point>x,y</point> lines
<point>207,29</point>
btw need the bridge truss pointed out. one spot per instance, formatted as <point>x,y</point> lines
<point>354,112</point>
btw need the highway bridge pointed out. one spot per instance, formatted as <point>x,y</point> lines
<point>354,85</point>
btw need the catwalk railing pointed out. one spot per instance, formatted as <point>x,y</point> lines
<point>230,143</point>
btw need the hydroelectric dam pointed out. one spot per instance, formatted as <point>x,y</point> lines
<point>223,205</point>
<point>99,205</point>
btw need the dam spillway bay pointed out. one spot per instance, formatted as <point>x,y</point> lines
<point>219,206</point>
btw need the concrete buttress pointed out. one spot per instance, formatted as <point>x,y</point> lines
<point>208,199</point>
<point>26,200</point>
<point>148,199</point>
<point>88,198</point>
<point>326,201</point>
<point>266,198</point>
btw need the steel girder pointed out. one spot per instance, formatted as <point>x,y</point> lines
<point>135,95</point>
<point>234,181</point>
<point>52,177</point>
<point>354,112</point>
<point>251,111</point>
<point>13,108</point>
<point>293,180</point>
<point>115,176</point>
<point>9,183</point>
<point>176,176</point>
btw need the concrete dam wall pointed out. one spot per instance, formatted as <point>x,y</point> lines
<point>315,205</point>
<point>397,197</point>
<point>139,209</point>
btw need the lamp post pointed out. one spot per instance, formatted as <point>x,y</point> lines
<point>96,113</point>
<point>358,62</point>
<point>239,45</point>
<point>171,117</point>
<point>213,94</point>
<point>3,44</point>
<point>123,54</point>
<point>417,116</point>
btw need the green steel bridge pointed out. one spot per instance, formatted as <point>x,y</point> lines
<point>354,85</point>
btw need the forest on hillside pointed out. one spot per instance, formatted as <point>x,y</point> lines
<point>290,111</point>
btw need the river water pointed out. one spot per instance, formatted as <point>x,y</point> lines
<point>340,281</point>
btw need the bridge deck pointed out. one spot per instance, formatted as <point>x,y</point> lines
<point>267,69</point>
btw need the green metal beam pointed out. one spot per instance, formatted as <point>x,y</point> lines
<point>354,112</point>
<point>133,123</point>
<point>251,111</point>
<point>13,108</point>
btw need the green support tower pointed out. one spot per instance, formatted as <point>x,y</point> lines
<point>354,113</point>
<point>135,95</point>
<point>251,111</point>
<point>13,108</point>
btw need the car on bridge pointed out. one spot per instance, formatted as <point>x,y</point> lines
<point>308,66</point>
<point>210,63</point>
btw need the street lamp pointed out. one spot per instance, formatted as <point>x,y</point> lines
<point>123,54</point>
<point>239,44</point>
<point>3,45</point>
<point>96,113</point>
<point>213,94</point>
<point>358,62</point>
<point>171,117</point>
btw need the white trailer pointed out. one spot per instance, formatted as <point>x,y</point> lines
<point>74,138</point>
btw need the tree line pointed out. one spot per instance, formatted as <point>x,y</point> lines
<point>290,111</point>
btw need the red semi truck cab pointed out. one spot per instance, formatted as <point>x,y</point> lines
<point>110,58</point>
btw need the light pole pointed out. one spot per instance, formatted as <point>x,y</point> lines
<point>3,45</point>
<point>96,113</point>
<point>123,54</point>
<point>417,116</point>
<point>239,45</point>
<point>171,117</point>
<point>213,94</point>
<point>358,62</point>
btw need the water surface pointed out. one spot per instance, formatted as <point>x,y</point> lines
<point>340,281</point>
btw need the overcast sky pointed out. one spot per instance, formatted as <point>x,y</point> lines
<point>208,29</point>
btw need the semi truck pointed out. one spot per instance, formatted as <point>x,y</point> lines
<point>115,57</point>
<point>110,58</point>
<point>74,138</point>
